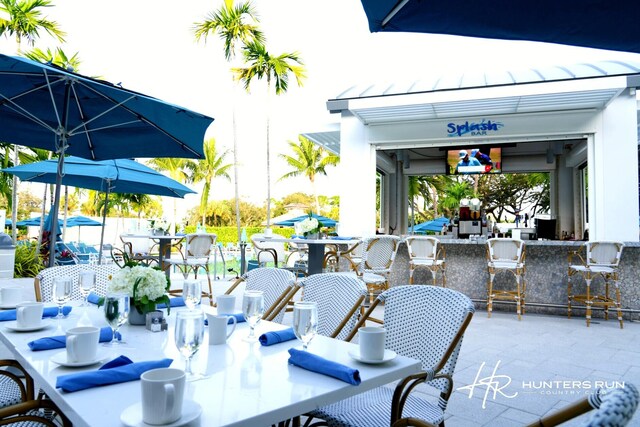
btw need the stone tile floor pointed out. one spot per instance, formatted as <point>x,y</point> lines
<point>539,348</point>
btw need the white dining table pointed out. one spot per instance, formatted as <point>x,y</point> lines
<point>245,384</point>
<point>316,248</point>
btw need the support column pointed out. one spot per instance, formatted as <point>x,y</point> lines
<point>613,172</point>
<point>358,179</point>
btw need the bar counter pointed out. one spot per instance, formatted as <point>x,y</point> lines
<point>546,275</point>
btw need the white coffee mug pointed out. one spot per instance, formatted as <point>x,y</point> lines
<point>371,341</point>
<point>29,314</point>
<point>226,304</point>
<point>10,296</point>
<point>82,344</point>
<point>162,395</point>
<point>218,328</point>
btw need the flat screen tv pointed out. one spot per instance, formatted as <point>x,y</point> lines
<point>474,160</point>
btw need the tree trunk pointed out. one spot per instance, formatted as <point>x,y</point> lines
<point>268,162</point>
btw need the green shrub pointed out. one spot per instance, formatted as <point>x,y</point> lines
<point>230,234</point>
<point>28,262</point>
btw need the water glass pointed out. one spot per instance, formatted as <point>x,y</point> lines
<point>116,311</point>
<point>305,321</point>
<point>87,281</point>
<point>188,336</point>
<point>192,293</point>
<point>61,293</point>
<point>252,309</point>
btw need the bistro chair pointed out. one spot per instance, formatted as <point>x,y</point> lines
<point>39,412</point>
<point>352,254</point>
<point>135,248</point>
<point>422,322</point>
<point>268,252</point>
<point>16,385</point>
<point>426,252</point>
<point>506,255</point>
<point>277,285</point>
<point>339,298</point>
<point>613,408</point>
<point>43,282</point>
<point>378,254</point>
<point>600,259</point>
<point>198,250</point>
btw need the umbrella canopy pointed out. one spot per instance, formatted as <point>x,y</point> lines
<point>116,176</point>
<point>46,107</point>
<point>326,222</point>
<point>433,225</point>
<point>597,23</point>
<point>82,221</point>
<point>110,176</point>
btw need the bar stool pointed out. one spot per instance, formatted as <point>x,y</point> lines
<point>427,252</point>
<point>506,254</point>
<point>601,259</point>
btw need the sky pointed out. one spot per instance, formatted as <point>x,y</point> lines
<point>148,46</point>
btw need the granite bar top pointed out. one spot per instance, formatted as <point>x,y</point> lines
<point>447,241</point>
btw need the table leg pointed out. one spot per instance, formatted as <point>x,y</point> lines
<point>165,253</point>
<point>316,258</point>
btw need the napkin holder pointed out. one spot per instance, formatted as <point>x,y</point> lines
<point>156,322</point>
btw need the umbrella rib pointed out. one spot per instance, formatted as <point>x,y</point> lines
<point>82,118</point>
<point>20,110</point>
<point>393,12</point>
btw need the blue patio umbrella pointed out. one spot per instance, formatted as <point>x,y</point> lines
<point>434,225</point>
<point>598,23</point>
<point>47,107</point>
<point>326,222</point>
<point>109,176</point>
<point>82,221</point>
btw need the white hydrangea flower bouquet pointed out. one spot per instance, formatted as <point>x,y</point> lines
<point>147,286</point>
<point>310,225</point>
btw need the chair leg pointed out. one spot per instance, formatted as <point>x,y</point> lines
<point>588,301</point>
<point>210,294</point>
<point>444,277</point>
<point>490,294</point>
<point>569,297</point>
<point>518,297</point>
<point>618,304</point>
<point>606,299</point>
<point>411,274</point>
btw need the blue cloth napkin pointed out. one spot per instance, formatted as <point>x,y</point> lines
<point>113,375</point>
<point>60,341</point>
<point>173,302</point>
<point>276,337</point>
<point>341,238</point>
<point>118,361</point>
<point>48,312</point>
<point>93,298</point>
<point>318,364</point>
<point>239,318</point>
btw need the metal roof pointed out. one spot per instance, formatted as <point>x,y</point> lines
<point>543,89</point>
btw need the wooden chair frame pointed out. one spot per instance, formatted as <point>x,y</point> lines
<point>435,266</point>
<point>590,270</point>
<point>519,294</point>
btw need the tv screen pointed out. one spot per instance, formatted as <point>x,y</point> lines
<point>474,160</point>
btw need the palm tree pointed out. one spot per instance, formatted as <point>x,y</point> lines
<point>308,160</point>
<point>211,167</point>
<point>234,24</point>
<point>23,19</point>
<point>276,69</point>
<point>177,169</point>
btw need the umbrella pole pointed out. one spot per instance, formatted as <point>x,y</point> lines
<point>104,221</point>
<point>54,209</point>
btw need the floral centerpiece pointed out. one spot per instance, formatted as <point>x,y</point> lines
<point>310,226</point>
<point>146,286</point>
<point>159,226</point>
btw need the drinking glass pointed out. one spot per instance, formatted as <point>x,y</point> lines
<point>192,293</point>
<point>305,321</point>
<point>61,293</point>
<point>116,311</point>
<point>188,335</point>
<point>253,309</point>
<point>87,281</point>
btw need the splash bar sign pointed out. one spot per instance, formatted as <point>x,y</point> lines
<point>483,128</point>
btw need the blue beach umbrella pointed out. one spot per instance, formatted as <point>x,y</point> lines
<point>326,222</point>
<point>599,23</point>
<point>434,225</point>
<point>45,106</point>
<point>109,176</point>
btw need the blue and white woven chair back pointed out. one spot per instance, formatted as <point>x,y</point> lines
<point>46,276</point>
<point>200,245</point>
<point>604,253</point>
<point>335,294</point>
<point>378,253</point>
<point>422,321</point>
<point>422,247</point>
<point>614,408</point>
<point>505,249</point>
<point>273,282</point>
